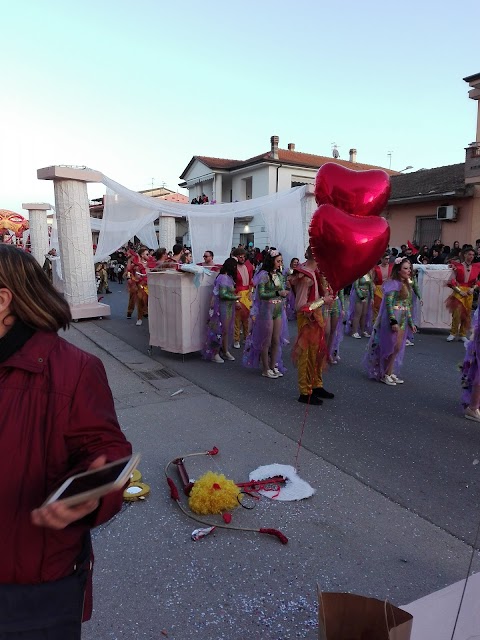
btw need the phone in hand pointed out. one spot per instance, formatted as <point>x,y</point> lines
<point>95,483</point>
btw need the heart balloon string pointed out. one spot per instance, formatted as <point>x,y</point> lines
<point>302,431</point>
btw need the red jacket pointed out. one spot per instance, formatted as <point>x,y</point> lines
<point>57,416</point>
<point>461,278</point>
<point>239,286</point>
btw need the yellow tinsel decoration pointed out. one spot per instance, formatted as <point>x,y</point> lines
<point>213,493</point>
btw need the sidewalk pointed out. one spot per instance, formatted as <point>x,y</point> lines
<point>152,581</point>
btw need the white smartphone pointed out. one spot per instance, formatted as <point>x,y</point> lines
<point>95,483</point>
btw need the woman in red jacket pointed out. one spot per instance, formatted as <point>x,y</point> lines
<point>58,418</point>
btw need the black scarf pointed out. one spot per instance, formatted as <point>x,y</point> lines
<point>14,339</point>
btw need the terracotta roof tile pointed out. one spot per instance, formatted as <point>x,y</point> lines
<point>429,182</point>
<point>284,156</point>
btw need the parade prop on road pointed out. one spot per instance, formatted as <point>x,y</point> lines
<point>214,494</point>
<point>347,236</point>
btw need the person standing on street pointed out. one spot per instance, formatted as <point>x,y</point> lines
<point>386,347</point>
<point>244,290</point>
<point>310,350</point>
<point>58,419</point>
<point>465,281</point>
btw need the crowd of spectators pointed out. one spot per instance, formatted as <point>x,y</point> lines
<point>437,253</point>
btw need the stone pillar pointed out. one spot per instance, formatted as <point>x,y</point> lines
<point>75,238</point>
<point>37,218</point>
<point>166,232</point>
<point>217,193</point>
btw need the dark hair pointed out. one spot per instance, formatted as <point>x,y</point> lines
<point>209,251</point>
<point>142,249</point>
<point>239,252</point>
<point>395,275</point>
<point>394,251</point>
<point>298,260</point>
<point>160,252</point>
<point>177,248</point>
<point>229,268</point>
<point>269,262</point>
<point>35,301</point>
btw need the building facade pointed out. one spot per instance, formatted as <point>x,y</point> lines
<point>223,180</point>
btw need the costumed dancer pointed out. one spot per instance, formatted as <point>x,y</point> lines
<point>464,282</point>
<point>244,288</point>
<point>380,273</point>
<point>137,282</point>
<point>221,315</point>
<point>290,304</point>
<point>386,347</point>
<point>336,312</point>
<point>471,375</point>
<point>415,301</point>
<point>310,349</point>
<point>269,327</point>
<point>360,311</point>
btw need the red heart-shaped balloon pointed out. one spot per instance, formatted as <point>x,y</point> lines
<point>346,247</point>
<point>361,193</point>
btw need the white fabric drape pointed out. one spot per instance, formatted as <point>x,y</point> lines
<point>211,233</point>
<point>283,219</point>
<point>128,213</point>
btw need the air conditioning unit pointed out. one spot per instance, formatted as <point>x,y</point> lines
<point>447,212</point>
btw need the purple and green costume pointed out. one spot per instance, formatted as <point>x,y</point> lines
<point>267,307</point>
<point>471,363</point>
<point>362,289</point>
<point>221,313</point>
<point>395,308</point>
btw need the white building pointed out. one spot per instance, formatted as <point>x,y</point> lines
<point>223,180</point>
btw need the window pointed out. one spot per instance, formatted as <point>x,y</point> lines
<point>248,188</point>
<point>247,238</point>
<point>427,230</point>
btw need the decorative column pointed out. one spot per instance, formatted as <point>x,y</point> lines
<point>37,218</point>
<point>166,232</point>
<point>75,238</point>
<point>217,188</point>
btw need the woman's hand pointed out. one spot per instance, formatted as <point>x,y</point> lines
<point>283,293</point>
<point>414,329</point>
<point>58,515</point>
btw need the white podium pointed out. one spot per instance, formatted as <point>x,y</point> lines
<point>432,282</point>
<point>178,310</point>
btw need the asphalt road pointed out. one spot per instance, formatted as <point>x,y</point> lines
<point>409,443</point>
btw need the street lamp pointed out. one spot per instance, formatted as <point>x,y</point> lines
<point>406,168</point>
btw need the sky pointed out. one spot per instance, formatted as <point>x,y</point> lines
<point>135,88</point>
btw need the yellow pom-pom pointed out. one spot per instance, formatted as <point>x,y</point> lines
<point>213,493</point>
